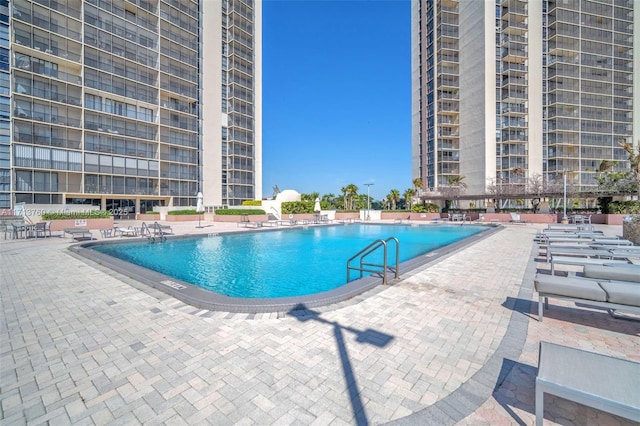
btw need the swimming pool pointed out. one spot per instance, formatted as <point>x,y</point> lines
<point>280,265</point>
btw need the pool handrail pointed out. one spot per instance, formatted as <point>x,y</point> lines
<point>375,245</point>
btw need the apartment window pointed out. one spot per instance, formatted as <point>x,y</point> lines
<point>93,102</point>
<point>145,114</point>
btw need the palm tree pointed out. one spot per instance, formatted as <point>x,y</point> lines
<point>351,191</point>
<point>388,201</point>
<point>457,181</point>
<point>634,161</point>
<point>408,194</point>
<point>328,200</point>
<point>394,196</point>
<point>418,184</point>
<point>344,191</point>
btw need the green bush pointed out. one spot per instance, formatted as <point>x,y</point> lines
<point>228,212</point>
<point>252,203</point>
<point>152,213</point>
<point>624,207</point>
<point>425,208</point>
<point>297,207</point>
<point>181,212</point>
<point>93,214</point>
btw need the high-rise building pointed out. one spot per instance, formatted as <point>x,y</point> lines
<point>131,104</point>
<point>508,92</point>
<point>5,108</point>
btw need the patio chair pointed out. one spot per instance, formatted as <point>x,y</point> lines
<point>43,229</point>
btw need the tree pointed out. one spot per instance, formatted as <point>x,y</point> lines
<point>634,162</point>
<point>454,187</point>
<point>408,194</point>
<point>328,201</point>
<point>344,191</point>
<point>393,197</point>
<point>352,191</point>
<point>418,184</point>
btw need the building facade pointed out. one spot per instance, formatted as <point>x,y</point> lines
<point>128,105</point>
<point>511,92</point>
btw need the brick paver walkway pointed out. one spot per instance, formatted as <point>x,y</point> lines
<point>454,342</point>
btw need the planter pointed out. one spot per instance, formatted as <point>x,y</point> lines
<point>497,217</point>
<point>395,215</point>
<point>538,217</point>
<point>61,224</point>
<point>347,215</point>
<point>183,217</point>
<point>631,230</point>
<point>148,217</point>
<point>425,216</point>
<point>615,219</point>
<point>238,218</point>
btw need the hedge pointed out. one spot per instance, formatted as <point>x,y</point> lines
<point>181,212</point>
<point>297,207</point>
<point>94,214</point>
<point>228,212</point>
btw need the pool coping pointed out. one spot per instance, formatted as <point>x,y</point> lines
<point>210,300</point>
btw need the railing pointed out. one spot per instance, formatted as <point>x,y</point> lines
<point>365,267</point>
<point>152,235</point>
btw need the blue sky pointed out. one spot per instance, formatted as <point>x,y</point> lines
<point>336,96</point>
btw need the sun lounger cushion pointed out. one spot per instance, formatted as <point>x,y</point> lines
<point>624,293</point>
<point>612,273</point>
<point>570,287</point>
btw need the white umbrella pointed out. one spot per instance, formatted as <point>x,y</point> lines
<point>316,207</point>
<point>200,207</point>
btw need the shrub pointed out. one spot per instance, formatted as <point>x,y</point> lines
<point>181,212</point>
<point>228,212</point>
<point>293,207</point>
<point>152,213</point>
<point>93,214</point>
<point>425,208</point>
<point>257,203</point>
<point>624,207</point>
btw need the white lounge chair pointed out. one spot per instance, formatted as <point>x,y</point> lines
<point>610,287</point>
<point>588,378</point>
<point>515,218</point>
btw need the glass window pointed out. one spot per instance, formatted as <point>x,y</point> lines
<point>93,102</point>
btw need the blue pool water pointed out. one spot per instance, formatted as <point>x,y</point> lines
<point>284,263</point>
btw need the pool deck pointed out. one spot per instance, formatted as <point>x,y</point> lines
<point>452,342</point>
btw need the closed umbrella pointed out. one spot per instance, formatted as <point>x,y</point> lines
<point>316,207</point>
<point>200,207</point>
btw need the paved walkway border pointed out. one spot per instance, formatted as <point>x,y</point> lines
<point>474,392</point>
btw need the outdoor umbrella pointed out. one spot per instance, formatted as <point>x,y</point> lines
<point>200,207</point>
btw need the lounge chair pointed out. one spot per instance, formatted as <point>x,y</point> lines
<point>250,224</point>
<point>126,232</point>
<point>78,233</point>
<point>611,287</point>
<point>584,251</point>
<point>515,218</point>
<point>583,261</point>
<point>588,378</point>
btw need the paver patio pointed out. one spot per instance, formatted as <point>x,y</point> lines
<point>454,342</point>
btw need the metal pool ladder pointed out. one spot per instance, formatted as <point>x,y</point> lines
<point>371,248</point>
<point>152,236</point>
